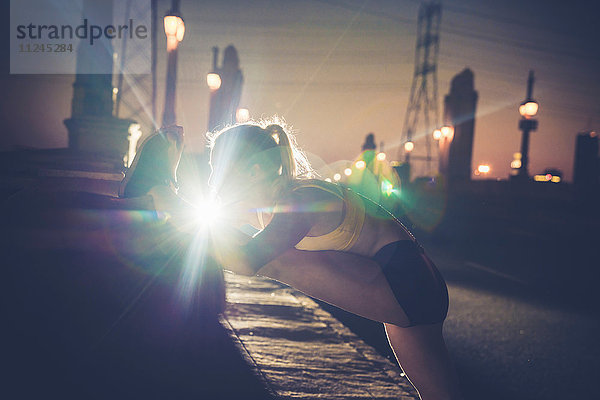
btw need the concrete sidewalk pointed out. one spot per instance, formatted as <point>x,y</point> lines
<point>301,351</point>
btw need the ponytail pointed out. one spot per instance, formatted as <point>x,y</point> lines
<point>264,142</point>
<point>288,161</point>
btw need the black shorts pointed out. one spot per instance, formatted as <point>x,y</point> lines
<point>415,281</point>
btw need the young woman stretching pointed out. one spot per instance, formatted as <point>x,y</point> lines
<point>330,243</point>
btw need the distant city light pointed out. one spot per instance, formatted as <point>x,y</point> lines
<point>213,80</point>
<point>516,164</point>
<point>528,109</point>
<point>337,177</point>
<point>360,164</point>
<point>409,146</point>
<point>437,134</point>
<point>381,156</point>
<point>547,178</point>
<point>347,172</point>
<point>447,131</point>
<point>483,169</point>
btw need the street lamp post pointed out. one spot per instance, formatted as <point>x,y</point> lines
<point>528,109</point>
<point>174,30</point>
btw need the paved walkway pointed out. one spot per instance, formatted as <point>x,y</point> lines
<point>301,351</point>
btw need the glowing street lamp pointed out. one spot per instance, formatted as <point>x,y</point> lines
<point>528,109</point>
<point>347,172</point>
<point>409,146</point>
<point>437,134</point>
<point>447,131</point>
<point>337,177</point>
<point>360,164</point>
<point>174,30</point>
<point>381,156</point>
<point>213,80</point>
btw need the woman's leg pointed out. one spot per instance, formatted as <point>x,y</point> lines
<point>348,281</point>
<point>422,354</point>
<point>357,284</point>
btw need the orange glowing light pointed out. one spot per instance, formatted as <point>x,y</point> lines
<point>213,80</point>
<point>174,29</point>
<point>528,109</point>
<point>484,169</point>
<point>409,146</point>
<point>437,134</point>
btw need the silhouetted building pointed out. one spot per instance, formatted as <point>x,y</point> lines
<point>456,150</point>
<point>369,143</point>
<point>586,173</point>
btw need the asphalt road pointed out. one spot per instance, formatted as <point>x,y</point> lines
<point>511,339</point>
<point>523,320</point>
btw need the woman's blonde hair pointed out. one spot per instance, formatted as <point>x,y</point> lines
<point>266,142</point>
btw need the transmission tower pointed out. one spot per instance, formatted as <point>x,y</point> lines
<point>423,93</point>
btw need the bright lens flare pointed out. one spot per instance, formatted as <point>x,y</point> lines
<point>387,188</point>
<point>208,212</point>
<point>360,164</point>
<point>347,172</point>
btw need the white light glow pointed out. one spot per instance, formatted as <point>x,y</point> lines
<point>242,115</point>
<point>347,172</point>
<point>213,80</point>
<point>447,131</point>
<point>529,109</point>
<point>208,212</point>
<point>484,169</point>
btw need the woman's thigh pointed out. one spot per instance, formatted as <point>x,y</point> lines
<point>351,282</point>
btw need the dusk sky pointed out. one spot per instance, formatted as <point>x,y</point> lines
<point>338,69</point>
